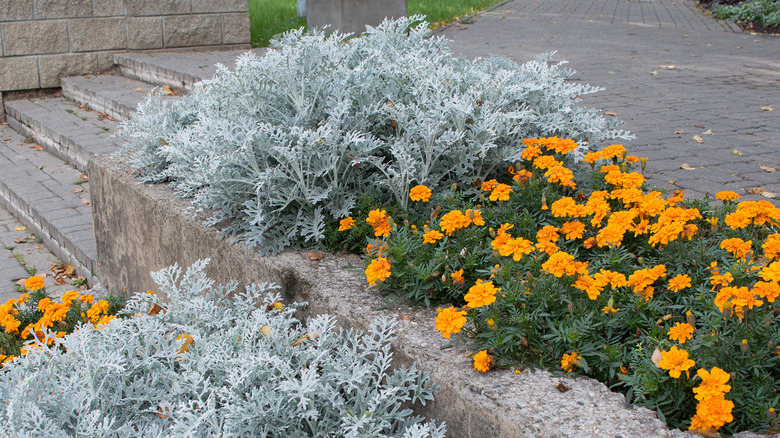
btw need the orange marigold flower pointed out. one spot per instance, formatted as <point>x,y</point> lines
<point>482,361</point>
<point>727,196</point>
<point>772,246</point>
<point>679,282</point>
<point>457,277</point>
<point>713,383</point>
<point>87,299</point>
<point>771,272</point>
<point>378,270</point>
<point>531,152</point>
<point>589,243</point>
<point>454,221</point>
<point>34,283</point>
<point>573,229</point>
<point>591,157</point>
<point>379,222</point>
<point>420,193</point>
<point>614,151</point>
<point>94,312</point>
<point>69,297</point>
<point>642,278</point>
<point>721,280</point>
<point>587,284</point>
<point>737,247</point>
<point>562,263</point>
<point>500,192</point>
<point>432,236</point>
<point>488,185</point>
<point>547,233</point>
<point>676,361</point>
<point>346,223</point>
<point>475,216</point>
<point>545,162</point>
<point>569,361</point>
<point>681,332</point>
<point>483,293</point>
<point>768,290</point>
<point>608,310</point>
<point>450,321</point>
<point>614,279</point>
<point>712,413</point>
<point>522,176</point>
<point>561,175</point>
<point>753,212</point>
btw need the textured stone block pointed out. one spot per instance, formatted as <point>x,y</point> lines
<point>62,8</point>
<point>35,37</point>
<point>157,7</point>
<point>90,34</point>
<point>54,67</point>
<point>192,30</point>
<point>108,8</point>
<point>18,73</point>
<point>352,15</point>
<point>200,6</point>
<point>235,29</point>
<point>144,33</point>
<point>105,60</point>
<point>15,10</point>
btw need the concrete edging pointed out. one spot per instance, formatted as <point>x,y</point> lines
<point>141,228</point>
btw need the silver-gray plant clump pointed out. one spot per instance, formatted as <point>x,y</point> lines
<point>290,140</point>
<point>249,371</point>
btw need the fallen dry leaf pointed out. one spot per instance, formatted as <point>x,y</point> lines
<point>679,132</point>
<point>561,387</point>
<point>668,67</point>
<point>610,113</point>
<point>314,256</point>
<point>698,139</point>
<point>40,247</point>
<point>769,195</point>
<point>736,152</point>
<point>756,191</point>
<point>79,190</point>
<point>37,147</point>
<point>140,90</point>
<point>671,181</point>
<point>767,169</point>
<point>104,116</point>
<point>20,228</point>
<point>21,240</point>
<point>86,201</point>
<point>656,358</point>
<point>59,281</point>
<point>168,91</point>
<point>767,108</point>
<point>707,132</point>
<point>686,166</point>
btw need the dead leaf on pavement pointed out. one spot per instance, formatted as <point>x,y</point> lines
<point>37,147</point>
<point>59,281</point>
<point>767,169</point>
<point>22,228</point>
<point>767,108</point>
<point>86,201</point>
<point>168,91</point>
<point>140,90</point>
<point>736,152</point>
<point>686,166</point>
<point>756,191</point>
<point>679,132</point>
<point>104,116</point>
<point>79,190</point>
<point>21,240</point>
<point>314,256</point>
<point>668,67</point>
<point>769,195</point>
<point>671,181</point>
<point>698,139</point>
<point>707,132</point>
<point>610,113</point>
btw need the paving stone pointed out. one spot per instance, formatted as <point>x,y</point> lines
<point>116,96</point>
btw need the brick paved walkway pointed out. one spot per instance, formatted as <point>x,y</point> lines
<point>719,82</point>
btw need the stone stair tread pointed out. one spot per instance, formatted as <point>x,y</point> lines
<point>70,131</point>
<point>40,190</point>
<point>117,96</point>
<point>177,69</point>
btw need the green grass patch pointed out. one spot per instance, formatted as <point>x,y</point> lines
<point>270,17</point>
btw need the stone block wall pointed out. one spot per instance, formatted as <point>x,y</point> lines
<point>44,40</point>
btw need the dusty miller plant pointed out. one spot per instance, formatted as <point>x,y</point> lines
<point>244,374</point>
<point>291,140</point>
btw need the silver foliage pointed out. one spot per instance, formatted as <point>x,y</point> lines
<point>290,140</point>
<point>129,379</point>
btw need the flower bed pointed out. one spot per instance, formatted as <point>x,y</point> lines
<point>670,301</point>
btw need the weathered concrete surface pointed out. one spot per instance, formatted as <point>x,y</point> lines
<point>140,228</point>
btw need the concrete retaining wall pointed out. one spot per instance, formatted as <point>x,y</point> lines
<point>140,228</point>
<point>44,40</point>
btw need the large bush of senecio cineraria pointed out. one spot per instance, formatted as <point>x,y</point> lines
<point>671,301</point>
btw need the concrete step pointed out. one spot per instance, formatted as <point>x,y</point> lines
<point>177,70</point>
<point>69,131</point>
<point>116,96</point>
<point>49,197</point>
